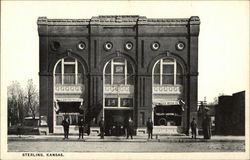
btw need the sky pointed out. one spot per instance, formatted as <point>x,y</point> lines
<point>223,40</point>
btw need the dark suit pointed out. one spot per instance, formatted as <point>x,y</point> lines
<point>150,129</point>
<point>193,128</point>
<point>66,128</point>
<point>130,129</point>
<point>206,125</point>
<point>102,128</point>
<point>81,128</point>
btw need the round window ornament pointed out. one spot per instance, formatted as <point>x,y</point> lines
<point>55,45</point>
<point>81,45</point>
<point>108,46</point>
<point>180,46</point>
<point>155,46</point>
<point>128,46</point>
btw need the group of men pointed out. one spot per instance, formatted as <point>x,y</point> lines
<point>130,128</point>
<point>66,124</point>
<point>206,127</point>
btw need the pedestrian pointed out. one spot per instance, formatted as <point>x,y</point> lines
<point>150,128</point>
<point>19,128</point>
<point>206,125</point>
<point>102,127</point>
<point>130,128</point>
<point>193,128</point>
<point>81,128</point>
<point>65,124</point>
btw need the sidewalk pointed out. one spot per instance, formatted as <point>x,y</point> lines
<point>139,138</point>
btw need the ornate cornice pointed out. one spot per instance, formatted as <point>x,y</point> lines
<point>44,20</point>
<point>119,20</point>
<point>194,20</point>
<point>165,21</point>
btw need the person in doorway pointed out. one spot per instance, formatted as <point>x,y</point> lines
<point>65,124</point>
<point>102,127</point>
<point>130,128</point>
<point>193,128</point>
<point>150,128</point>
<point>81,128</point>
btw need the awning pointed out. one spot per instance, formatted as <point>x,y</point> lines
<point>69,107</point>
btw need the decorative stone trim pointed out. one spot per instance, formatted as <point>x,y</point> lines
<point>129,46</point>
<point>69,89</point>
<point>44,20</point>
<point>121,89</point>
<point>155,46</point>
<point>55,45</point>
<point>180,46</point>
<point>81,46</point>
<point>108,46</point>
<point>167,89</point>
<point>118,19</point>
<point>194,20</point>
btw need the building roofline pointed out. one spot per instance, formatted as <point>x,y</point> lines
<point>120,20</point>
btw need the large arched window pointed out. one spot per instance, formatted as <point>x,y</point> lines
<point>118,71</point>
<point>69,90</point>
<point>69,71</point>
<point>167,71</point>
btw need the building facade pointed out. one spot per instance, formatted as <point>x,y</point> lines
<point>230,114</point>
<point>118,67</point>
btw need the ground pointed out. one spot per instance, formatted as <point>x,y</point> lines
<point>80,146</point>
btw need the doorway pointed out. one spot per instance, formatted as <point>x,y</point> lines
<point>116,121</point>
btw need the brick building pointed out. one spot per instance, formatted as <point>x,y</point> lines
<point>230,115</point>
<point>119,67</point>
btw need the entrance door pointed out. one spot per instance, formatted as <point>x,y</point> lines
<point>69,109</point>
<point>115,121</point>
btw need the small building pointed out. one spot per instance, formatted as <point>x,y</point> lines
<point>118,67</point>
<point>230,114</point>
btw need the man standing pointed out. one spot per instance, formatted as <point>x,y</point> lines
<point>102,127</point>
<point>206,125</point>
<point>130,127</point>
<point>150,128</point>
<point>65,124</point>
<point>81,128</point>
<point>193,128</point>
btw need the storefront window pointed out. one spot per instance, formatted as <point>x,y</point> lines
<point>73,118</point>
<point>167,115</point>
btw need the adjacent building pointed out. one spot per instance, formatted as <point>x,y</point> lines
<point>118,67</point>
<point>230,114</point>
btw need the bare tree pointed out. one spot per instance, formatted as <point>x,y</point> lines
<point>32,99</point>
<point>16,102</point>
<point>216,99</point>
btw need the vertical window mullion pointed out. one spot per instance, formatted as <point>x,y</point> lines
<point>153,75</point>
<point>161,71</point>
<point>119,101</point>
<point>76,72</point>
<point>174,71</point>
<point>62,66</point>
<point>125,72</point>
<point>112,68</point>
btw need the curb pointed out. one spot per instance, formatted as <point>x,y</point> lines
<point>108,139</point>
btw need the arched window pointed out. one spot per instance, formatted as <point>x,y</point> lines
<point>69,71</point>
<point>118,71</point>
<point>167,71</point>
